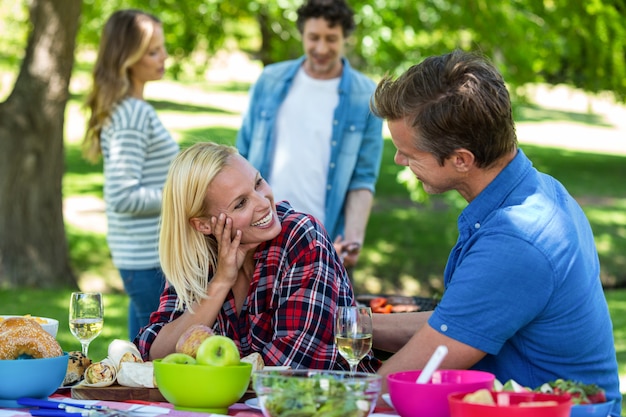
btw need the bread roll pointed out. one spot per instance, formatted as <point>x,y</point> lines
<point>24,336</point>
<point>192,338</point>
<point>76,366</point>
<point>256,360</point>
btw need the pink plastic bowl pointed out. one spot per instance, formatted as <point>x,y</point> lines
<point>459,408</point>
<point>431,400</point>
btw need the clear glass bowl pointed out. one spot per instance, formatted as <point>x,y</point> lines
<point>311,393</point>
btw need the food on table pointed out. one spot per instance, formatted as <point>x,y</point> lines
<point>121,351</point>
<point>192,338</point>
<point>218,350</point>
<point>215,350</point>
<point>25,336</point>
<point>101,374</point>
<point>39,320</point>
<point>181,358</point>
<point>482,396</point>
<point>512,385</point>
<point>306,393</point>
<point>136,374</point>
<point>256,360</point>
<point>580,393</point>
<point>76,367</point>
<point>538,404</point>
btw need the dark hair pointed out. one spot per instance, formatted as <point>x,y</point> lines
<point>336,12</point>
<point>452,101</point>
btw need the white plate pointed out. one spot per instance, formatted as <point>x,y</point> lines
<point>387,399</point>
<point>253,403</point>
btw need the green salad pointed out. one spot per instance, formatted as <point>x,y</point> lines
<point>315,396</point>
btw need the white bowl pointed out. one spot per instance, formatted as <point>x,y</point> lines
<point>49,325</point>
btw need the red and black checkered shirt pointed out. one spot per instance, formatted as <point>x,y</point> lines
<point>288,316</point>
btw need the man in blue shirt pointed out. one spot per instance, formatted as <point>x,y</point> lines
<point>309,130</point>
<point>523,297</point>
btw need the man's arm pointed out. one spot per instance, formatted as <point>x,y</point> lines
<point>393,331</point>
<point>357,213</point>
<point>417,351</point>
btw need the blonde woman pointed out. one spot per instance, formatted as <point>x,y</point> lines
<point>258,272</point>
<point>136,150</point>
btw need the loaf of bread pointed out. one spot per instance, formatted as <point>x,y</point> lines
<point>24,336</point>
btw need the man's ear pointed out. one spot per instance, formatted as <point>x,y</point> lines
<point>201,225</point>
<point>463,160</point>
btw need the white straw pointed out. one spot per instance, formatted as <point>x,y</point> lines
<point>432,365</point>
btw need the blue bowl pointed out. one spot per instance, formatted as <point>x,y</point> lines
<point>34,378</point>
<point>592,410</point>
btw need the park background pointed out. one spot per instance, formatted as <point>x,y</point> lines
<point>564,64</point>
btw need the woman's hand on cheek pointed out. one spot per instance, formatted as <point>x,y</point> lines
<point>229,255</point>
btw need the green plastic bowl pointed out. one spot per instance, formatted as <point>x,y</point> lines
<point>203,388</point>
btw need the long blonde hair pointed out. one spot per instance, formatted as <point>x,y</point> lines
<point>125,39</point>
<point>188,256</point>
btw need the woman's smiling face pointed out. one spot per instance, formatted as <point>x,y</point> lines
<point>246,198</point>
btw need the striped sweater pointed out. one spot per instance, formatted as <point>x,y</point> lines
<point>137,151</point>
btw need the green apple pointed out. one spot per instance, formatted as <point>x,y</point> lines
<point>182,358</point>
<point>218,351</point>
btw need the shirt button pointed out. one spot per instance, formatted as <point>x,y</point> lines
<point>477,226</point>
<point>444,327</point>
<point>332,164</point>
<point>328,187</point>
<point>334,143</point>
<point>335,122</point>
<point>352,128</point>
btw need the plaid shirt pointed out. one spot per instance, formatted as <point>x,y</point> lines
<point>288,316</point>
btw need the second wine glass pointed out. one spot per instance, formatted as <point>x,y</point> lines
<point>353,333</point>
<point>86,317</point>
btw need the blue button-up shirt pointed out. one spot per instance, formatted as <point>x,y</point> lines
<point>356,143</point>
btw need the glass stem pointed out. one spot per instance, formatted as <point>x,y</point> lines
<point>353,367</point>
<point>85,348</point>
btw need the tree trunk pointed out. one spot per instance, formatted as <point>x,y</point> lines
<point>33,245</point>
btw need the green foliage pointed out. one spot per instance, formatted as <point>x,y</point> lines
<point>557,41</point>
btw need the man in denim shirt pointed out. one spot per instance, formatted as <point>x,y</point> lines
<point>310,132</point>
<point>523,297</point>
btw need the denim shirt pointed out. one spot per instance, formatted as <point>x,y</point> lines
<point>356,142</point>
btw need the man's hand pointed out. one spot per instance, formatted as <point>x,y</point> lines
<point>348,251</point>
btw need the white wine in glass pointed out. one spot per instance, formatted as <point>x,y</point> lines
<point>86,317</point>
<point>353,333</point>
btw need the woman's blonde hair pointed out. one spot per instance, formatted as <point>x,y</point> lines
<point>188,256</point>
<point>125,38</point>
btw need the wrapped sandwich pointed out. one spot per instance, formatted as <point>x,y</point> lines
<point>121,351</point>
<point>136,374</point>
<point>100,374</point>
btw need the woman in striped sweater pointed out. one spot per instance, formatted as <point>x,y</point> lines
<point>136,150</point>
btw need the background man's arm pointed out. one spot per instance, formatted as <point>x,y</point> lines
<point>357,213</point>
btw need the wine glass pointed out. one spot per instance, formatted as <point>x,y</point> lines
<point>86,317</point>
<point>353,333</point>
